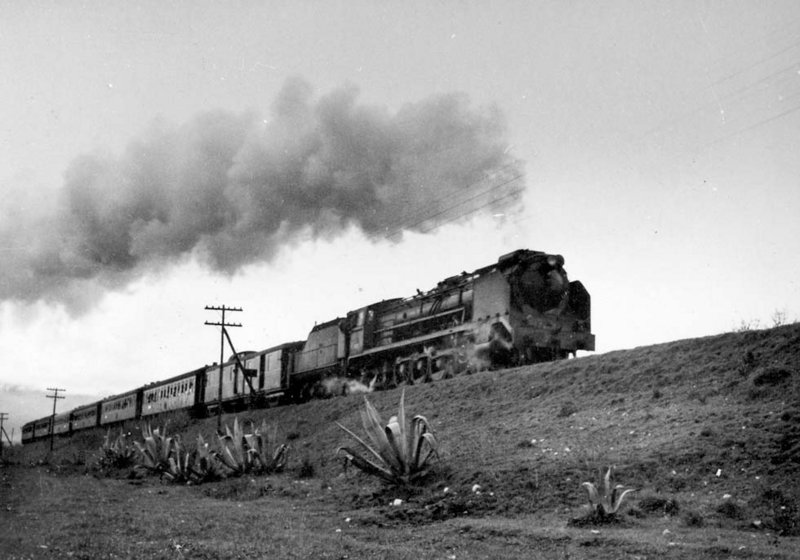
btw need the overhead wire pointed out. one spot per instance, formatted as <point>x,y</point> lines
<point>738,94</point>
<point>409,219</point>
<point>430,217</point>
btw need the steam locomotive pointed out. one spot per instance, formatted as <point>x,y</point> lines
<point>520,310</point>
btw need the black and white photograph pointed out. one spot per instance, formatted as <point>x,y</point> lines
<point>440,280</point>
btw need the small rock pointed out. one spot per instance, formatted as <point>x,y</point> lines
<point>719,473</point>
<point>397,502</point>
<point>757,523</point>
<point>476,487</point>
<point>666,532</point>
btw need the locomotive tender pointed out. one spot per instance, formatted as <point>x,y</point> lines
<point>522,309</point>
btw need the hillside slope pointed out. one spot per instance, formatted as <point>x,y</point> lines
<point>711,424</point>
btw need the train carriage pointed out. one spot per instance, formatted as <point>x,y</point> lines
<point>27,432</point>
<point>85,417</point>
<point>127,406</point>
<point>270,369</point>
<point>41,427</point>
<point>177,393</point>
<point>230,385</point>
<point>61,423</point>
<point>266,375</point>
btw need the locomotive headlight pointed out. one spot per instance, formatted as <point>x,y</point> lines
<point>555,260</point>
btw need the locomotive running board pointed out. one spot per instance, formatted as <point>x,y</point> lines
<point>409,341</point>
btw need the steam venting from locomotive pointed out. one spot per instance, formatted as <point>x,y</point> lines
<point>232,189</point>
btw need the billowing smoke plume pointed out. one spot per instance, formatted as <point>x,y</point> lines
<point>231,189</point>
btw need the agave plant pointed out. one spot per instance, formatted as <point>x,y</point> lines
<point>117,453</point>
<point>206,465</point>
<point>399,453</point>
<point>180,463</point>
<point>263,458</point>
<point>232,451</point>
<point>155,451</point>
<point>250,453</point>
<point>606,502</point>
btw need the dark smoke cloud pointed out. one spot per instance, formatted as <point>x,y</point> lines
<point>231,189</point>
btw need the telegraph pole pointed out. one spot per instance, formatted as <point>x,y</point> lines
<point>222,325</point>
<point>3,416</point>
<point>55,398</point>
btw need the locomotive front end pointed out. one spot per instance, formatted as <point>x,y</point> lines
<point>550,316</point>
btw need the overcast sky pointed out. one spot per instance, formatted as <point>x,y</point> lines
<point>302,159</point>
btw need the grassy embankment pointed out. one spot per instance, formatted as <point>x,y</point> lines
<point>707,430</point>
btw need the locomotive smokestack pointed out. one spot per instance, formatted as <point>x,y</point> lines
<point>231,189</point>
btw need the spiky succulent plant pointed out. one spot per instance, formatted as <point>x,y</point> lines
<point>400,452</point>
<point>206,466</point>
<point>607,500</point>
<point>155,450</point>
<point>116,453</point>
<point>250,453</point>
<point>265,455</point>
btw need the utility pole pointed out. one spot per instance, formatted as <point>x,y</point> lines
<point>222,325</point>
<point>55,398</point>
<point>3,416</point>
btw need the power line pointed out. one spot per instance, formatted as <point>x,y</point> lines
<point>421,221</point>
<point>752,126</point>
<point>718,101</point>
<point>474,210</point>
<point>757,63</point>
<point>772,33</point>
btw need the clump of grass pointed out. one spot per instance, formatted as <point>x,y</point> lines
<point>400,452</point>
<point>567,409</point>
<point>730,509</point>
<point>659,505</point>
<point>693,519</point>
<point>771,376</point>
<point>306,469</point>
